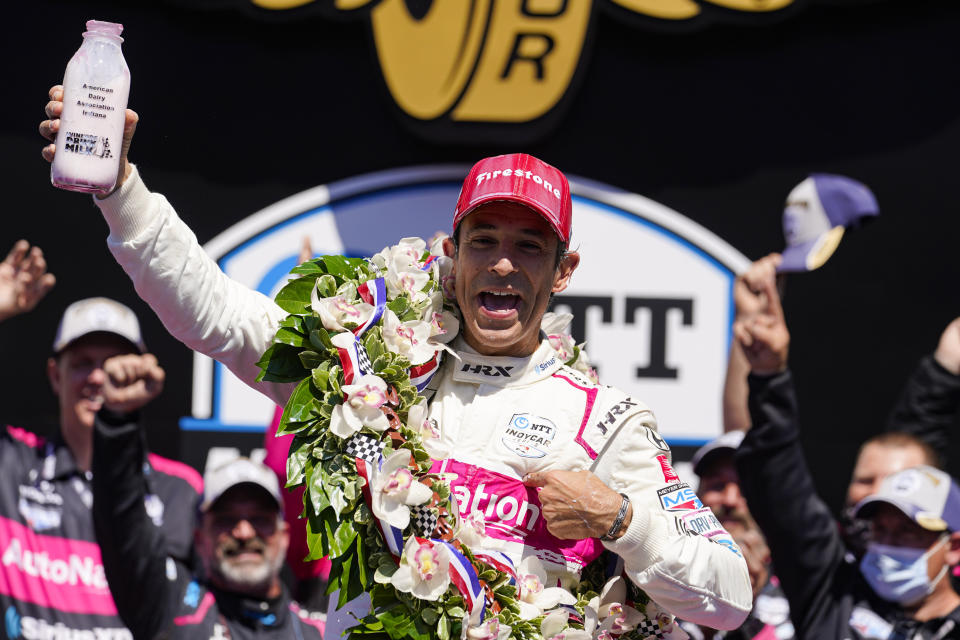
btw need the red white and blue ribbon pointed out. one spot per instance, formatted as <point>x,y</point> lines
<point>373,292</point>
<point>465,579</point>
<point>421,374</point>
<point>391,534</point>
<point>499,561</point>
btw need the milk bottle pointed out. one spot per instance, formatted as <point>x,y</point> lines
<point>95,89</point>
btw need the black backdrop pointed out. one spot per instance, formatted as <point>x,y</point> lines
<point>719,122</point>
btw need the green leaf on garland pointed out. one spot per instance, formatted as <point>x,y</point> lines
<point>318,496</point>
<point>290,337</point>
<point>342,539</point>
<point>315,546</point>
<point>296,461</point>
<point>320,339</point>
<point>298,406</point>
<point>381,362</point>
<point>374,343</point>
<point>310,359</point>
<point>326,287</point>
<point>320,375</point>
<point>399,306</point>
<point>340,266</point>
<point>430,616</point>
<point>443,628</point>
<point>279,363</point>
<point>295,296</point>
<point>455,612</point>
<point>310,267</point>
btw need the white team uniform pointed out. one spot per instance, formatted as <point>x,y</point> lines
<point>501,417</point>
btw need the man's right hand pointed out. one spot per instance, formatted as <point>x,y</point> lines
<point>133,380</point>
<point>24,280</point>
<point>760,326</point>
<point>948,351</point>
<point>49,128</point>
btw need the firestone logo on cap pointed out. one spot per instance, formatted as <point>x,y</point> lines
<point>520,178</point>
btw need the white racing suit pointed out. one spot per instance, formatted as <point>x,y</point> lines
<point>502,418</point>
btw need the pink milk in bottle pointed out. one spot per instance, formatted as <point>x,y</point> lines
<point>95,89</point>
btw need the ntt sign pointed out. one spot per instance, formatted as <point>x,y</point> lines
<point>652,296</point>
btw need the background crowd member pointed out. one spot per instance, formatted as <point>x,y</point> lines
<point>828,597</point>
<point>51,577</point>
<point>240,534</point>
<point>719,489</point>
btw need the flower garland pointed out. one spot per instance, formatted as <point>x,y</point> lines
<point>362,341</point>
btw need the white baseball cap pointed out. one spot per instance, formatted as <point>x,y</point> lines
<point>238,471</point>
<point>92,315</point>
<point>928,496</point>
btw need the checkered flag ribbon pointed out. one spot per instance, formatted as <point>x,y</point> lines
<point>365,447</point>
<point>649,629</point>
<point>424,520</point>
<point>363,359</point>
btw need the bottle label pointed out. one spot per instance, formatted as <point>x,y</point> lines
<point>87,145</point>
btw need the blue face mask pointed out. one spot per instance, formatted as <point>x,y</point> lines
<point>899,574</point>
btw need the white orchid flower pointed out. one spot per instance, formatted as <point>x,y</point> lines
<point>361,406</point>
<point>409,279</point>
<point>669,629</point>
<point>613,615</point>
<point>436,243</point>
<point>444,327</point>
<point>409,339</point>
<point>563,344</point>
<point>471,529</point>
<point>424,569</point>
<point>418,420</point>
<point>554,627</point>
<point>337,310</point>
<point>408,251</point>
<point>489,629</point>
<point>556,323</point>
<point>534,597</point>
<point>394,489</point>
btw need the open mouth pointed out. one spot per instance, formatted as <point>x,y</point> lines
<point>498,303</point>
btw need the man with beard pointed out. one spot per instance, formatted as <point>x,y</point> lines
<point>240,536</point>
<point>719,489</point>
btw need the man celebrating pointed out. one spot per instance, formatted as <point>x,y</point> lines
<point>51,576</point>
<point>897,590</point>
<point>599,477</point>
<point>240,535</point>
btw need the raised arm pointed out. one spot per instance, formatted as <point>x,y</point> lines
<point>804,542</point>
<point>195,300</point>
<point>928,404</point>
<point>133,549</point>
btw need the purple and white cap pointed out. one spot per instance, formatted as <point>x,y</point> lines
<point>816,214</point>
<point>927,495</point>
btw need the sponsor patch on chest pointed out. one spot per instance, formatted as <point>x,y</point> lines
<point>679,497</point>
<point>40,506</point>
<point>528,436</point>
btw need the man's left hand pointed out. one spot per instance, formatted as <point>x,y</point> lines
<point>577,504</point>
<point>132,381</point>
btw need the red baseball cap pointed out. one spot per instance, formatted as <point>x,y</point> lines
<point>521,178</point>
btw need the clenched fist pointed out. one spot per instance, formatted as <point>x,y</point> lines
<point>133,380</point>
